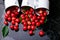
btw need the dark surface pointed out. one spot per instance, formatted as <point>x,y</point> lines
<point>52,28</point>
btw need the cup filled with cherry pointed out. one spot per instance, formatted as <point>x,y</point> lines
<point>30,18</point>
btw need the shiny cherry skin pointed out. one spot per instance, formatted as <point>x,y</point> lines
<point>25,28</point>
<point>41,33</point>
<point>17,20</point>
<point>9,19</point>
<point>31,32</point>
<point>12,27</point>
<point>29,27</point>
<point>5,22</point>
<point>16,28</point>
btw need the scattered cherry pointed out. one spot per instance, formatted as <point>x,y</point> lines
<point>11,27</point>
<point>41,33</point>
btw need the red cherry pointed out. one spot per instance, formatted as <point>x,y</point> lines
<point>41,33</point>
<point>37,23</point>
<point>11,27</point>
<point>30,15</point>
<point>23,20</point>
<point>25,23</point>
<point>16,8</point>
<point>13,18</point>
<point>26,12</point>
<point>31,10</point>
<point>40,11</point>
<point>13,15</point>
<point>16,24</point>
<point>16,13</point>
<point>31,32</point>
<point>45,13</point>
<point>41,21</point>
<point>6,15</point>
<point>27,19</point>
<point>22,15</point>
<point>33,18</point>
<point>17,20</point>
<point>5,22</point>
<point>8,12</point>
<point>34,14</point>
<point>36,20</point>
<point>33,23</point>
<point>26,16</point>
<point>38,17</point>
<point>41,14</point>
<point>32,27</point>
<point>29,23</point>
<point>42,18</point>
<point>13,22</point>
<point>29,27</point>
<point>6,18</point>
<point>25,28</point>
<point>15,28</point>
<point>9,18</point>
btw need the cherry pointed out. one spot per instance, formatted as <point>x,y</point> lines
<point>25,23</point>
<point>33,18</point>
<point>26,12</point>
<point>16,13</point>
<point>41,21</point>
<point>22,15</point>
<point>29,22</point>
<point>33,23</point>
<point>29,27</point>
<point>9,18</point>
<point>31,10</point>
<point>26,16</point>
<point>42,18</point>
<point>13,18</point>
<point>37,23</point>
<point>27,19</point>
<point>16,24</point>
<point>15,28</point>
<point>23,20</point>
<point>13,22</point>
<point>17,20</point>
<point>5,22</point>
<point>16,8</point>
<point>6,15</point>
<point>45,13</point>
<point>8,12</point>
<point>40,11</point>
<point>38,17</point>
<point>32,27</point>
<point>36,20</point>
<point>41,14</point>
<point>41,33</point>
<point>13,15</point>
<point>25,28</point>
<point>30,15</point>
<point>31,32</point>
<point>11,27</point>
<point>5,18</point>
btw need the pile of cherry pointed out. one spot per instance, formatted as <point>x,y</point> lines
<point>11,16</point>
<point>31,20</point>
